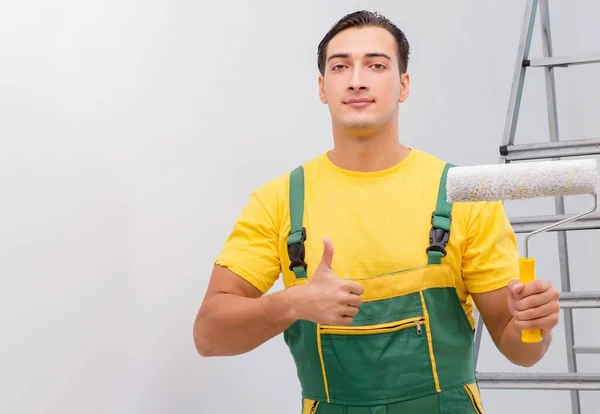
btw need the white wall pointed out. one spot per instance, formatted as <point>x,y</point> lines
<point>131,134</point>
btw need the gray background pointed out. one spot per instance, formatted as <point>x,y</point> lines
<point>131,134</point>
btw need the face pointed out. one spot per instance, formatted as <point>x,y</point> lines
<point>362,84</point>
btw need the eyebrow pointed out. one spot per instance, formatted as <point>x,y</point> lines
<point>369,55</point>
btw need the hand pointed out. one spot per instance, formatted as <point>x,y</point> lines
<point>326,298</point>
<point>534,305</point>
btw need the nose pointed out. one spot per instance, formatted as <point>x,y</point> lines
<point>357,82</point>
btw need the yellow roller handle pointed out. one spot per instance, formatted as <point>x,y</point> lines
<point>527,275</point>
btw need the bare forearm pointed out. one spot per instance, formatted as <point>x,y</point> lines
<point>232,325</point>
<point>520,353</point>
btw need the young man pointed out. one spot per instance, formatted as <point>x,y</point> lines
<point>384,324</point>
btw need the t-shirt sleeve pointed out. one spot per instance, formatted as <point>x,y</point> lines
<point>491,257</point>
<point>251,249</point>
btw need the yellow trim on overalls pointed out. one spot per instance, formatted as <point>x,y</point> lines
<point>371,329</point>
<point>430,344</point>
<point>473,392</point>
<point>320,348</point>
<point>309,406</point>
<point>394,284</point>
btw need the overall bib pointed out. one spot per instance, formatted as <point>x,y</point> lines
<point>410,348</point>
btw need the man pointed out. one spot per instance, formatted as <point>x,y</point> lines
<point>384,324</point>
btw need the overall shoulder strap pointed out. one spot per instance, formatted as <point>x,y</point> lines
<point>297,236</point>
<point>441,219</point>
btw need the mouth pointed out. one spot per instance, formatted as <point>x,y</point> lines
<point>359,103</point>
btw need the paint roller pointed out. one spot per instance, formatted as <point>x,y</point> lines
<point>525,180</point>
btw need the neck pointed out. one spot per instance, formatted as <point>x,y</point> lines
<point>367,150</point>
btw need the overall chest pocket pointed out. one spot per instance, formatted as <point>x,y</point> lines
<point>384,354</point>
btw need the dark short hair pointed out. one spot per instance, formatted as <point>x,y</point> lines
<point>365,18</point>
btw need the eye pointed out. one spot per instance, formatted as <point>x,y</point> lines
<point>378,66</point>
<point>337,67</point>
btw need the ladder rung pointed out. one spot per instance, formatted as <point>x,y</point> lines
<point>563,60</point>
<point>570,148</point>
<point>529,224</point>
<point>563,381</point>
<point>586,349</point>
<point>579,300</point>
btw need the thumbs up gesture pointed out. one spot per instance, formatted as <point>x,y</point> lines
<point>326,298</point>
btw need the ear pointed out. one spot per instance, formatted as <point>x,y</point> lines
<point>322,96</point>
<point>404,87</point>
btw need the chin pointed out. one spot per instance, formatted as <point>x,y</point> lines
<point>361,123</point>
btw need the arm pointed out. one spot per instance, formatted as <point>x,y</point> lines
<point>491,273</point>
<point>235,317</point>
<point>504,321</point>
<point>237,314</point>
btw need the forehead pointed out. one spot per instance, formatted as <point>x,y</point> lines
<point>358,41</point>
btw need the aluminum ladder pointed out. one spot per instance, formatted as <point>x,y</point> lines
<point>554,149</point>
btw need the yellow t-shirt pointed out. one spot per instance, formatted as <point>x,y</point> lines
<point>378,223</point>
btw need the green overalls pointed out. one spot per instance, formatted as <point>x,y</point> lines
<point>410,348</point>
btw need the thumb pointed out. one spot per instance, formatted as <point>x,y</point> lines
<point>515,287</point>
<point>327,258</point>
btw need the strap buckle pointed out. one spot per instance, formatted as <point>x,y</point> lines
<point>296,249</point>
<point>438,237</point>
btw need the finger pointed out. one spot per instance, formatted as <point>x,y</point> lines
<point>345,320</point>
<point>515,287</point>
<point>541,311</point>
<point>350,311</point>
<point>355,288</point>
<point>546,323</point>
<point>327,258</point>
<point>536,300</point>
<point>354,300</point>
<point>532,288</point>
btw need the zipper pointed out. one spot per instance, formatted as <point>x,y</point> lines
<point>472,397</point>
<point>313,409</point>
<point>374,329</point>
